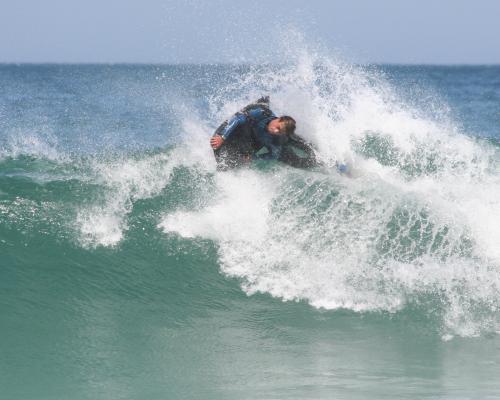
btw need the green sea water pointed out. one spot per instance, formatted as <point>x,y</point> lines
<point>131,269</point>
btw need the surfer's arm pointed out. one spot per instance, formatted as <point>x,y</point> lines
<point>235,121</point>
<point>216,141</point>
<point>225,131</point>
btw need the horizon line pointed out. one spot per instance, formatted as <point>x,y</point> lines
<point>141,63</point>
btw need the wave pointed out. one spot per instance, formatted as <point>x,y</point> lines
<point>413,225</point>
<point>416,219</point>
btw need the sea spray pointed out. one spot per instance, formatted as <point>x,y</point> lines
<point>125,181</point>
<point>415,225</point>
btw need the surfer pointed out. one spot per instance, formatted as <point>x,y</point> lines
<point>255,132</point>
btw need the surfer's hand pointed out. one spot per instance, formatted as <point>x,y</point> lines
<point>216,141</point>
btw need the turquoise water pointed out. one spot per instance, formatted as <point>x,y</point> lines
<point>131,269</point>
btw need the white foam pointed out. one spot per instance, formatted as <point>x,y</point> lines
<point>238,215</point>
<point>125,181</point>
<point>417,224</point>
<point>101,226</point>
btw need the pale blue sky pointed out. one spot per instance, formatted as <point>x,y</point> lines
<point>167,31</point>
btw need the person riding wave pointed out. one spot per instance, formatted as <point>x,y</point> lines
<point>255,132</point>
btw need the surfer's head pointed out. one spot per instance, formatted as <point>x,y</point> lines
<point>282,126</point>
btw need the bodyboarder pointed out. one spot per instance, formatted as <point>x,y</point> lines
<point>255,132</point>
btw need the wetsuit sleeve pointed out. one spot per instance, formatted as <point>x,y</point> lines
<point>235,121</point>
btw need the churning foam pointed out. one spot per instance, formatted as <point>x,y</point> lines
<point>417,224</point>
<point>125,181</point>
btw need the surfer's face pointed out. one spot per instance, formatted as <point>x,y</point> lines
<point>276,127</point>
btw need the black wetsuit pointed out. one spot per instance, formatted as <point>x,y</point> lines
<point>245,134</point>
<point>289,155</point>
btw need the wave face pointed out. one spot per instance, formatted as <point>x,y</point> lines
<point>106,157</point>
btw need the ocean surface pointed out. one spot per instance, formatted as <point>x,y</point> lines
<point>131,269</point>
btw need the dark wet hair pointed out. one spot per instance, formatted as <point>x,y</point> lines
<point>289,124</point>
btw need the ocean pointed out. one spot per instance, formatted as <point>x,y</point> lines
<point>131,269</point>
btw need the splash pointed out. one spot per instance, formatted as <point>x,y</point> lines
<point>125,181</point>
<point>416,224</point>
<point>36,143</point>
